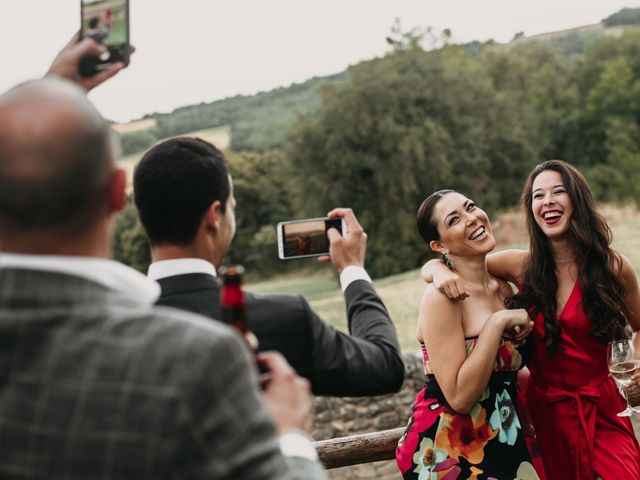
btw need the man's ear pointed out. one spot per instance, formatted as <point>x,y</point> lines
<point>117,190</point>
<point>212,215</point>
<point>436,246</point>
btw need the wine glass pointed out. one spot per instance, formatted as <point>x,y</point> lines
<point>624,361</point>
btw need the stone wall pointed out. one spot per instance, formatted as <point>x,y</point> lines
<point>339,417</point>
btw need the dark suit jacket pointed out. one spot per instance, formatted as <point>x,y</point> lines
<point>94,385</point>
<point>366,363</point>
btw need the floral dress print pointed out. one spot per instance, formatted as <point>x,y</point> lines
<point>488,443</point>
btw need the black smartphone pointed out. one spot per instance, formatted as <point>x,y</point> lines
<point>307,238</point>
<point>107,23</point>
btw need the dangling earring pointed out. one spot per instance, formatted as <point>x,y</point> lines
<point>447,260</point>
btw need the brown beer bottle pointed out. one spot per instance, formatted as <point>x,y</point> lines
<point>232,306</point>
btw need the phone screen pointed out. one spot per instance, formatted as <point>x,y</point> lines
<point>307,238</point>
<point>106,21</point>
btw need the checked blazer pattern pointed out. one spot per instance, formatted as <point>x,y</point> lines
<point>96,386</point>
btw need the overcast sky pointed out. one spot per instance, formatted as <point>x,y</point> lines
<point>192,51</point>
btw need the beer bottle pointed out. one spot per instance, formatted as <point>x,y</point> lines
<point>232,298</point>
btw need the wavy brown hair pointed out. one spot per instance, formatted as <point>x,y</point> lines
<point>603,292</point>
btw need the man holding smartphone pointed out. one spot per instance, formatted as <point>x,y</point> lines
<point>97,382</point>
<point>184,196</point>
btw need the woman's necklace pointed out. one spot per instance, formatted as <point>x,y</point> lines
<point>564,260</point>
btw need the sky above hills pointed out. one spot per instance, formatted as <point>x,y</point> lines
<point>192,51</point>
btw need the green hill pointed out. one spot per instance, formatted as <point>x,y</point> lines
<point>261,122</point>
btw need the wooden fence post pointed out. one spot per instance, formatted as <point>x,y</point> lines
<point>357,449</point>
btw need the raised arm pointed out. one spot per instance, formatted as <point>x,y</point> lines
<point>444,279</point>
<point>462,378</point>
<point>368,362</point>
<point>67,62</point>
<point>508,265</point>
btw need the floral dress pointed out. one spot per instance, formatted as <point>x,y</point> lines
<point>488,443</point>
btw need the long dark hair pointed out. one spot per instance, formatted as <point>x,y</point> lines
<point>603,292</point>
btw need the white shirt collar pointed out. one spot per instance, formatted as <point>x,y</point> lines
<point>108,273</point>
<point>179,266</point>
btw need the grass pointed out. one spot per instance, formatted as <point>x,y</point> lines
<point>626,241</point>
<point>402,293</point>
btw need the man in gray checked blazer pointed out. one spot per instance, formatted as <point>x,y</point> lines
<point>96,382</point>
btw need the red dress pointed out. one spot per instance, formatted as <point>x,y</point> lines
<point>573,404</point>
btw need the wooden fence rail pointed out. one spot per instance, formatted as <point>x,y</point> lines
<point>356,449</point>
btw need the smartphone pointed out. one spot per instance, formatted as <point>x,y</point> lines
<point>307,238</point>
<point>106,22</point>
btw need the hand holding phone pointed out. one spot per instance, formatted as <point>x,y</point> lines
<point>306,238</point>
<point>348,249</point>
<point>337,238</point>
<point>106,22</point>
<point>66,64</point>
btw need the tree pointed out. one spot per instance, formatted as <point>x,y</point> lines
<point>129,243</point>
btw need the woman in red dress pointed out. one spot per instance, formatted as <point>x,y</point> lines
<point>581,295</point>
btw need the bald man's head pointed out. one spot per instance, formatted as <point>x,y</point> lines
<point>55,158</point>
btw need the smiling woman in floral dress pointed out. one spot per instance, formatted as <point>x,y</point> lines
<point>463,423</point>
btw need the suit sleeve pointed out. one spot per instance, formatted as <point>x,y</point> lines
<point>367,362</point>
<point>228,429</point>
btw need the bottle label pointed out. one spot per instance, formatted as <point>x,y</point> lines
<point>232,296</point>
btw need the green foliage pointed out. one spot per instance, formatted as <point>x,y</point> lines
<point>477,121</point>
<point>258,122</point>
<point>261,185</point>
<point>135,142</point>
<point>415,122</point>
<point>129,243</point>
<point>626,16</point>
<point>389,131</point>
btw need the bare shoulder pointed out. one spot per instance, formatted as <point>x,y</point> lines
<point>624,268</point>
<point>435,298</point>
<point>439,320</point>
<point>514,256</point>
<point>436,307</point>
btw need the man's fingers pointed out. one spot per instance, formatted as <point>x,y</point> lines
<point>333,235</point>
<point>349,218</point>
<point>265,380</point>
<point>87,47</point>
<point>275,363</point>
<point>101,77</point>
<point>324,259</point>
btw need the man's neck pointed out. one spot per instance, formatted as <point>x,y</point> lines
<point>174,252</point>
<point>87,244</point>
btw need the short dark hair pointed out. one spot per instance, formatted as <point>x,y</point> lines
<point>173,186</point>
<point>426,226</point>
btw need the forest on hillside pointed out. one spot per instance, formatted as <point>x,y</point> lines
<point>387,132</point>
